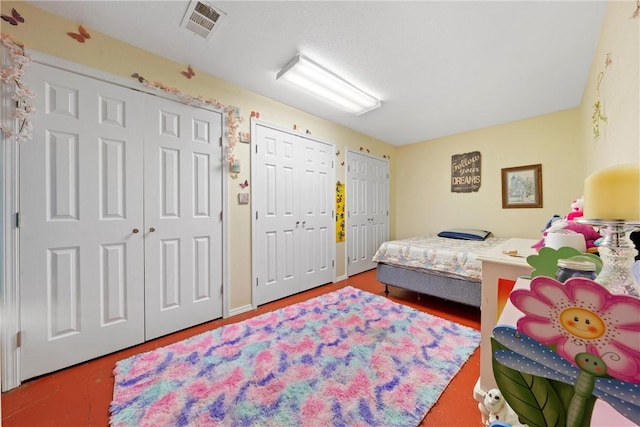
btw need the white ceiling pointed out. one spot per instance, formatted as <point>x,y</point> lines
<point>440,67</point>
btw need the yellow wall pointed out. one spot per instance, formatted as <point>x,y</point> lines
<point>619,141</point>
<point>562,142</point>
<point>46,33</point>
<point>425,203</point>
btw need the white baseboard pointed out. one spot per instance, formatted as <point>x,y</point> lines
<point>338,279</point>
<point>240,310</point>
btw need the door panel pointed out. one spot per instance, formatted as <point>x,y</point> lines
<point>358,213</point>
<point>81,264</point>
<point>275,190</point>
<point>183,224</point>
<point>367,210</point>
<point>316,213</point>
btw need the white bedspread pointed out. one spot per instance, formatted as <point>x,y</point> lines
<point>448,256</point>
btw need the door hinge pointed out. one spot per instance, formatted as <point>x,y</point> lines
<point>333,263</point>
<point>332,214</point>
<point>256,215</point>
<point>220,140</point>
<point>256,148</point>
<point>256,282</point>
<point>19,339</point>
<point>18,220</point>
<point>349,168</point>
<point>348,260</point>
<point>221,216</point>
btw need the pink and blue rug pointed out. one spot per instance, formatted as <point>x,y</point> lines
<point>347,358</point>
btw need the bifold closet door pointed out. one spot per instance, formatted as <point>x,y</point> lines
<point>120,220</point>
<point>81,215</point>
<point>293,222</point>
<point>183,216</point>
<point>367,197</point>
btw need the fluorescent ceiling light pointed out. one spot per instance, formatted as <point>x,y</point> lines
<point>316,79</point>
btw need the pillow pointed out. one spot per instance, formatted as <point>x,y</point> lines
<point>464,234</point>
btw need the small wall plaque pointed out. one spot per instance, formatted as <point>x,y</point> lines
<point>465,172</point>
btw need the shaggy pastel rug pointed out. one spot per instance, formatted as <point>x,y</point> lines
<point>347,358</point>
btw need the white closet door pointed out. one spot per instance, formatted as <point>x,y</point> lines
<point>293,198</point>
<point>317,198</point>
<point>81,259</point>
<point>367,209</point>
<point>379,184</point>
<point>275,189</point>
<point>183,216</point>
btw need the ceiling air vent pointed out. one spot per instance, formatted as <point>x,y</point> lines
<point>202,18</point>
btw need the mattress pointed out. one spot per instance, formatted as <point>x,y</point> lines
<point>449,257</point>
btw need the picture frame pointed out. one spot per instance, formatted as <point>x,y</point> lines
<point>522,187</point>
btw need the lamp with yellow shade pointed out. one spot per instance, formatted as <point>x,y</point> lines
<point>612,203</point>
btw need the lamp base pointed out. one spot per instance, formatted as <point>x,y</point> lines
<point>618,256</point>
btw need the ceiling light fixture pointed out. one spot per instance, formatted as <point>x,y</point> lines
<point>303,72</point>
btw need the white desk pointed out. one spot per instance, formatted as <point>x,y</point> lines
<point>496,265</point>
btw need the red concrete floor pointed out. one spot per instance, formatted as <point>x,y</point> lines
<point>80,395</point>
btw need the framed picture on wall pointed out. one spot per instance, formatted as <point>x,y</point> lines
<point>522,187</point>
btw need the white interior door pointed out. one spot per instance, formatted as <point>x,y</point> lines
<point>277,221</point>
<point>379,184</point>
<point>121,225</point>
<point>317,197</point>
<point>293,222</point>
<point>367,209</point>
<point>81,259</point>
<point>183,216</point>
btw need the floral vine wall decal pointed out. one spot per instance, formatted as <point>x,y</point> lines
<point>233,116</point>
<point>12,73</point>
<point>637,11</point>
<point>598,113</point>
<point>81,35</point>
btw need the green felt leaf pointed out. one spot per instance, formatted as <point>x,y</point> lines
<point>545,263</point>
<point>533,398</point>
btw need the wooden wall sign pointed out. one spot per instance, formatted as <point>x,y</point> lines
<point>465,172</point>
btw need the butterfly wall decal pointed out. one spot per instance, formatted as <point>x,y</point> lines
<point>81,35</point>
<point>189,73</point>
<point>14,19</point>
<point>244,184</point>
<point>636,12</point>
<point>257,115</point>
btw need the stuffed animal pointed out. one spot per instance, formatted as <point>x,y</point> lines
<point>576,209</point>
<point>499,409</point>
<point>590,234</point>
<point>556,223</point>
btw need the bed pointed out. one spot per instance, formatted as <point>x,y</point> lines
<point>442,267</point>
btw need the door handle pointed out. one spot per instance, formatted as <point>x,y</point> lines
<point>297,223</point>
<point>303,223</point>
<point>151,230</point>
<point>135,231</point>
